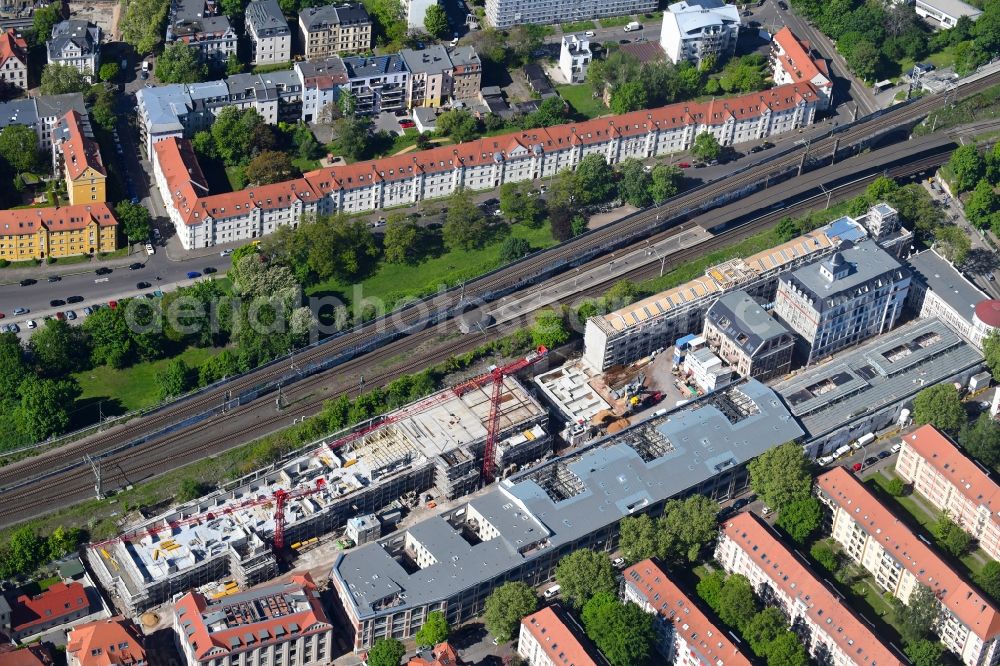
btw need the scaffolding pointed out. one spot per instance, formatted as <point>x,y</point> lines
<point>558,481</point>
<point>649,443</point>
<point>734,404</point>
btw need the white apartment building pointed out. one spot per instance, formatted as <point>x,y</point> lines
<point>749,547</point>
<point>415,12</point>
<point>196,23</point>
<point>508,13</point>
<point>853,295</point>
<point>706,370</point>
<point>685,636</point>
<point>322,82</point>
<point>77,44</point>
<point>550,638</point>
<point>575,58</point>
<point>13,60</point>
<point>899,561</point>
<point>283,623</point>
<point>792,62</point>
<point>270,37</point>
<point>942,474</point>
<point>700,29</point>
<point>477,165</point>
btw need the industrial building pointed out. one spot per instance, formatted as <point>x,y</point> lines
<point>900,562</point>
<point>869,388</point>
<point>520,529</point>
<point>434,444</point>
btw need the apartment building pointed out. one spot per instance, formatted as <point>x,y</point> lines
<point>508,13</point>
<point>197,23</point>
<point>853,295</point>
<point>836,635</point>
<point>430,79</point>
<point>685,636</point>
<point>521,528</point>
<point>80,156</point>
<point>13,60</point>
<point>270,37</point>
<point>283,623</point>
<point>77,44</point>
<point>332,30</point>
<point>114,641</point>
<point>551,637</point>
<point>746,337</point>
<point>466,73</point>
<point>378,83</point>
<point>700,29</point>
<point>477,165</point>
<point>321,82</point>
<point>59,604</point>
<point>955,484</point>
<point>63,231</point>
<point>415,12</point>
<point>792,62</point>
<point>574,58</point>
<point>899,561</point>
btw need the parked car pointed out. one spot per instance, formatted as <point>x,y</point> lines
<point>783,5</point>
<point>112,304</point>
<point>21,311</point>
<point>618,562</point>
<point>406,123</point>
<point>684,165</point>
<point>104,270</point>
<point>74,299</point>
<point>895,448</point>
<point>225,253</point>
<point>57,303</point>
<point>208,270</point>
<point>87,310</point>
<point>142,285</point>
<point>136,266</point>
<point>54,278</point>
<point>193,274</point>
<point>149,249</point>
<point>30,323</point>
<point>70,315</point>
<point>589,33</point>
<point>871,460</point>
<point>27,282</point>
<point>883,455</point>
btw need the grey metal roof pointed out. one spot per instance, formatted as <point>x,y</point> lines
<point>266,18</point>
<point>161,107</point>
<point>430,60</point>
<point>464,55</point>
<point>741,319</point>
<point>187,17</point>
<point>692,17</point>
<point>955,8</point>
<point>362,67</point>
<point>18,112</point>
<point>50,106</point>
<point>865,264</point>
<point>621,474</point>
<point>320,18</point>
<point>84,35</point>
<point>944,280</point>
<point>886,371</point>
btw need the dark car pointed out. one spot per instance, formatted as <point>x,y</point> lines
<point>208,270</point>
<point>756,149</point>
<point>624,41</point>
<point>57,303</point>
<point>726,512</point>
<point>54,278</point>
<point>103,270</point>
<point>142,285</point>
<point>754,24</point>
<point>883,454</point>
<point>782,5</point>
<point>136,266</point>
<point>767,145</point>
<point>74,299</point>
<point>27,282</point>
<point>870,461</point>
<point>193,274</point>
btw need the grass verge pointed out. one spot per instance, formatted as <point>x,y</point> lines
<point>578,26</point>
<point>581,98</point>
<point>982,106</point>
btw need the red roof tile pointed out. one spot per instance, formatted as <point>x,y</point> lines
<point>80,151</point>
<point>12,46</point>
<point>114,641</point>
<point>558,642</point>
<point>57,601</point>
<point>443,654</point>
<point>33,655</point>
<point>976,612</point>
<point>183,175</point>
<point>27,221</point>
<point>796,59</point>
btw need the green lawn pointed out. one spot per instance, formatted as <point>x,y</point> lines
<point>305,165</point>
<point>579,26</point>
<point>613,21</point>
<point>393,282</point>
<point>940,59</point>
<point>581,98</point>
<point>234,175</point>
<point>135,387</point>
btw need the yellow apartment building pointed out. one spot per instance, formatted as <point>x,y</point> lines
<point>39,233</point>
<point>83,168</point>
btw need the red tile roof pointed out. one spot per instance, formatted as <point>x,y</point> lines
<point>558,642</point>
<point>443,654</point>
<point>33,655</point>
<point>179,164</point>
<point>973,610</point>
<point>13,46</point>
<point>797,582</point>
<point>245,621</point>
<point>711,644</point>
<point>114,641</point>
<point>27,221</point>
<point>796,59</point>
<point>57,601</point>
<point>948,460</point>
<point>80,151</point>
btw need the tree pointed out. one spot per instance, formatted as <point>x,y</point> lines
<point>981,204</point>
<point>43,20</point>
<point>629,96</point>
<point>459,124</point>
<point>737,604</point>
<point>135,220</point>
<point>895,487</point>
<point>763,628</point>
<point>386,652</point>
<point>353,136</point>
<point>991,350</point>
<point>582,574</point>
<point>400,242</point>
<point>550,329</point>
<point>639,538</point>
<point>824,553</point>
<point>63,541</point>
<point>44,406</point>
<point>786,650</point>
<point>180,63</point>
<point>520,204</point>
<point>505,608</point>
<point>594,180</point>
<point>233,133</point>
<point>635,183</point>
<point>523,40</point>
<point>917,616</point>
<point>109,71</point>
<point>950,536</point>
<point>620,294</point>
<point>111,342</point>
<point>58,348</point>
<point>953,243</point>
<point>781,475</point>
<point>24,550</point>
<point>967,166</point>
<point>988,578</point>
<point>58,79</point>
<point>623,632</point>
<point>19,148</point>
<point>686,528</point>
<point>710,587</point>
<point>981,439</point>
<point>465,226</point>
<point>271,166</point>
<point>513,248</point>
<point>436,21</point>
<point>706,147</point>
<point>142,24</point>
<point>562,205</point>
<point>925,652</point>
<point>435,629</point>
<point>176,379</point>
<point>800,518</point>
<point>940,406</point>
<point>864,59</point>
<point>13,366</point>
<point>665,182</point>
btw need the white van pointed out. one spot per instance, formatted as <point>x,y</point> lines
<point>824,460</point>
<point>864,440</point>
<point>551,592</point>
<point>843,450</point>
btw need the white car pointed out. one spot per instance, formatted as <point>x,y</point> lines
<point>30,323</point>
<point>453,42</point>
<point>225,253</point>
<point>618,562</point>
<point>149,249</point>
<point>589,33</point>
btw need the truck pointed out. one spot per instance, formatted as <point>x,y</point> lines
<point>634,25</point>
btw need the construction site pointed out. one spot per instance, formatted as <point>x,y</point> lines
<point>447,444</point>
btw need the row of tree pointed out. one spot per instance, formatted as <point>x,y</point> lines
<point>24,551</point>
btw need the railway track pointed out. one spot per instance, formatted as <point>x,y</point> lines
<point>362,340</point>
